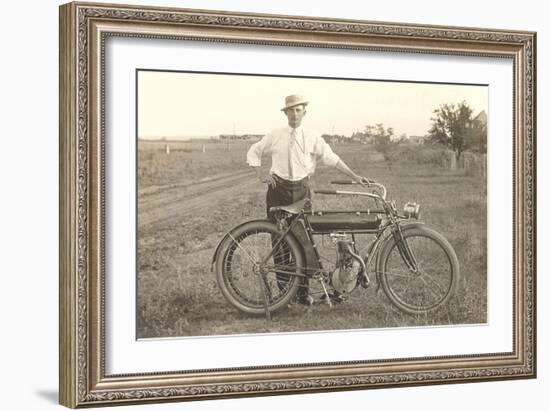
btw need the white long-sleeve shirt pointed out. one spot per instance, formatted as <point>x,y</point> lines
<point>308,149</point>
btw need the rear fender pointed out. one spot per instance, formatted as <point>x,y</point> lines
<point>218,247</point>
<point>230,232</point>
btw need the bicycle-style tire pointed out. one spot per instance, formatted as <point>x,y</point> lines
<point>240,285</point>
<point>437,278</point>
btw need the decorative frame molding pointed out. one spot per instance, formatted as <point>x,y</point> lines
<point>83,30</point>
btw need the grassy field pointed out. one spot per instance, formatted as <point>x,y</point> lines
<point>206,193</point>
<point>186,162</point>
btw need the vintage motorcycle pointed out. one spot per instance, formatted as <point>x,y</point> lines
<point>260,264</point>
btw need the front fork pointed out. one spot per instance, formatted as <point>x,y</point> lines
<point>405,250</point>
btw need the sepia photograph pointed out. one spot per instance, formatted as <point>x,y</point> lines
<point>269,204</point>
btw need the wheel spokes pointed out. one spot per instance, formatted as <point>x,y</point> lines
<point>407,274</point>
<point>245,252</point>
<point>430,284</point>
<point>426,286</point>
<point>435,282</point>
<point>249,279</point>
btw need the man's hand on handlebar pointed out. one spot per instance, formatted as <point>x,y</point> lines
<point>363,181</point>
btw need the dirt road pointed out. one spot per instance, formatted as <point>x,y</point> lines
<point>163,203</point>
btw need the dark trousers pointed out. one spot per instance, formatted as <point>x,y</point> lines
<point>286,193</point>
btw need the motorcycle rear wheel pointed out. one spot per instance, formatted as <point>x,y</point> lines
<point>238,274</point>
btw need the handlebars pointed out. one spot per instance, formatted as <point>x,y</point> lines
<point>344,182</point>
<point>361,193</point>
<point>325,191</point>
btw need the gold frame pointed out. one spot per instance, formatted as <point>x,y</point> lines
<point>83,30</point>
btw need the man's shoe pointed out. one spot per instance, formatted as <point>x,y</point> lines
<point>305,299</point>
<point>335,297</point>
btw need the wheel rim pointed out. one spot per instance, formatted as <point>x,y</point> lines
<point>244,276</point>
<point>427,288</point>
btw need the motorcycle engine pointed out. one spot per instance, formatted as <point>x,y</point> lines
<point>349,266</point>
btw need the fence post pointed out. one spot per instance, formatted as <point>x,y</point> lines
<point>204,148</point>
<point>453,160</point>
<point>467,162</point>
<point>167,148</point>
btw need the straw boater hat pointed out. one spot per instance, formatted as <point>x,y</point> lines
<point>294,100</point>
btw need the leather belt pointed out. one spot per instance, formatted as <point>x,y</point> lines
<point>288,183</point>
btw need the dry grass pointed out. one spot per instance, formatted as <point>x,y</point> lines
<point>178,294</point>
<point>186,162</point>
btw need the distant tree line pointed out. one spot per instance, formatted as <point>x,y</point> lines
<point>240,136</point>
<point>453,126</point>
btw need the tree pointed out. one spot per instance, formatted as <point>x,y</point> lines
<point>451,126</point>
<point>384,142</point>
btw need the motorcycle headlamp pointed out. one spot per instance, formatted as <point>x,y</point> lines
<point>412,210</point>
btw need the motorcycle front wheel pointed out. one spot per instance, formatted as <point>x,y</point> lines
<point>246,280</point>
<point>429,285</point>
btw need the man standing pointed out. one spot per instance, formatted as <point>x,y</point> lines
<point>294,151</point>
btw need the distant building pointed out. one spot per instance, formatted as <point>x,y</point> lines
<point>481,118</point>
<point>359,137</point>
<point>418,139</point>
<point>479,131</point>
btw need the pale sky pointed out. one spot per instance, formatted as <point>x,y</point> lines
<point>191,104</point>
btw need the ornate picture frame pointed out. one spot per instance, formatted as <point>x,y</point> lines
<point>84,30</point>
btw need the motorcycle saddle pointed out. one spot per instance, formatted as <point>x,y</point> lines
<point>293,208</point>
